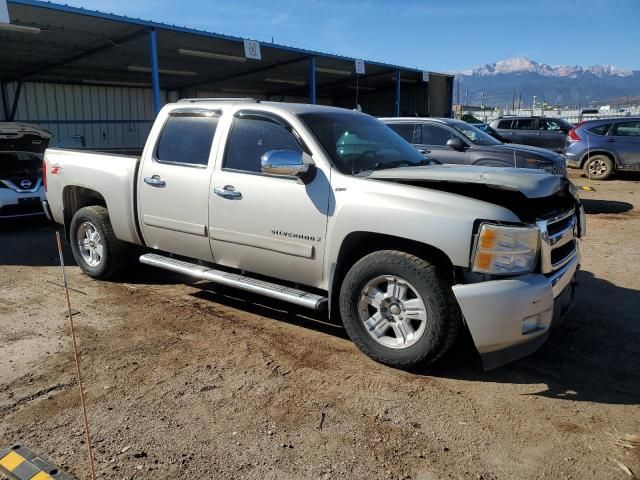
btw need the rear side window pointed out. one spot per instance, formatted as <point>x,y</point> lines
<point>409,131</point>
<point>600,129</point>
<point>251,137</point>
<point>505,124</point>
<point>436,135</point>
<point>187,139</point>
<point>626,129</point>
<point>525,124</point>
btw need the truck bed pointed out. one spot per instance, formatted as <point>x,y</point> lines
<point>112,176</point>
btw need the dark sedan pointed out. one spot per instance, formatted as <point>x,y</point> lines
<point>453,141</point>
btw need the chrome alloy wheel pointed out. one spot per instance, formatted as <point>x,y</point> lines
<point>598,167</point>
<point>90,244</point>
<point>392,311</point>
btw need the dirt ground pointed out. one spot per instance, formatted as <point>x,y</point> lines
<point>189,380</point>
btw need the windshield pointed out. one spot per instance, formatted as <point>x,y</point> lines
<point>474,134</point>
<point>357,142</point>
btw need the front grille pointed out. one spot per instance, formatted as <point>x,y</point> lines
<point>558,237</point>
<point>559,168</point>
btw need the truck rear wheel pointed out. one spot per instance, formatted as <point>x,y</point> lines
<point>95,247</point>
<point>399,309</point>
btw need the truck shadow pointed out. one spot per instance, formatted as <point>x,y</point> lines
<point>31,242</point>
<point>597,207</point>
<point>590,357</point>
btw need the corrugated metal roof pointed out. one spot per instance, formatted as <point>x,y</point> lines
<point>76,45</point>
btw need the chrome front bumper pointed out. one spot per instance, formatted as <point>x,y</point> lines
<point>509,319</point>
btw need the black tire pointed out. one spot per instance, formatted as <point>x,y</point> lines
<point>114,252</point>
<point>598,167</point>
<point>430,282</point>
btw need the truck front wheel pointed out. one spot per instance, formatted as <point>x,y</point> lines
<point>399,309</point>
<point>95,247</point>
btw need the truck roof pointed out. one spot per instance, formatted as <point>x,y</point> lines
<point>295,108</point>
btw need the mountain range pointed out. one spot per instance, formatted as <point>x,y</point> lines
<point>522,78</point>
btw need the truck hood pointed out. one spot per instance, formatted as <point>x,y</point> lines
<point>531,183</point>
<point>528,151</point>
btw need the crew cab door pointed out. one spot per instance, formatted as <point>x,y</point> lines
<point>267,224</point>
<point>624,140</point>
<point>554,134</point>
<point>173,183</point>
<point>434,144</point>
<point>529,132</point>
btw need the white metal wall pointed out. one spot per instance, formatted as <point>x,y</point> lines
<point>106,116</point>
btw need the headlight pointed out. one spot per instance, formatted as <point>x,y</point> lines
<point>502,250</point>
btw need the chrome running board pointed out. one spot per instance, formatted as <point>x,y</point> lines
<point>253,285</point>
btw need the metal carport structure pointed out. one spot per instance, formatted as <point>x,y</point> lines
<point>48,46</point>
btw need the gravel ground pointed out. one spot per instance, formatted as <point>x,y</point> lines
<point>188,379</point>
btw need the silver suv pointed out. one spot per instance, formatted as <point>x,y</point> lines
<point>447,140</point>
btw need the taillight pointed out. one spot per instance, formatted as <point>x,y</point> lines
<point>573,135</point>
<point>44,174</point>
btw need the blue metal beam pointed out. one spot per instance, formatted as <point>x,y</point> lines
<point>312,80</point>
<point>192,31</point>
<point>155,76</point>
<point>16,97</point>
<point>64,62</point>
<point>397,109</point>
<point>5,100</point>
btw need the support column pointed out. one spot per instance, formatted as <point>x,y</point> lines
<point>312,80</point>
<point>16,97</point>
<point>155,77</point>
<point>397,109</point>
<point>5,100</point>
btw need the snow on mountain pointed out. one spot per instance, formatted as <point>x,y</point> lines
<point>525,65</point>
<point>502,82</point>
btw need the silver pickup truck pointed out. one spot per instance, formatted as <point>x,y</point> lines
<point>330,209</point>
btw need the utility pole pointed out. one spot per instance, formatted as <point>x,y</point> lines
<point>458,98</point>
<point>533,106</point>
<point>513,102</point>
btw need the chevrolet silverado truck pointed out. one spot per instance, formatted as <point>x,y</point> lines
<point>329,209</point>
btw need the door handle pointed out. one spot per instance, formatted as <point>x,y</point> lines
<point>155,181</point>
<point>611,140</point>
<point>424,151</point>
<point>228,191</point>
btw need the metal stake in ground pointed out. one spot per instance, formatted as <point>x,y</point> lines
<point>77,359</point>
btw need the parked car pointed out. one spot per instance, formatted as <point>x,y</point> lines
<point>536,131</point>
<point>601,147</point>
<point>453,141</point>
<point>21,150</point>
<point>328,208</point>
<point>486,128</point>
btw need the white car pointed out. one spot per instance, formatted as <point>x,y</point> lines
<point>21,185</point>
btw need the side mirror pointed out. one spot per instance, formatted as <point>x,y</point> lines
<point>455,143</point>
<point>284,162</point>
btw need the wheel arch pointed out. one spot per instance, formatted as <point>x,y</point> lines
<point>74,198</point>
<point>606,153</point>
<point>359,244</point>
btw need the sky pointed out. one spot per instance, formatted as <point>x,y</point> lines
<point>435,35</point>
